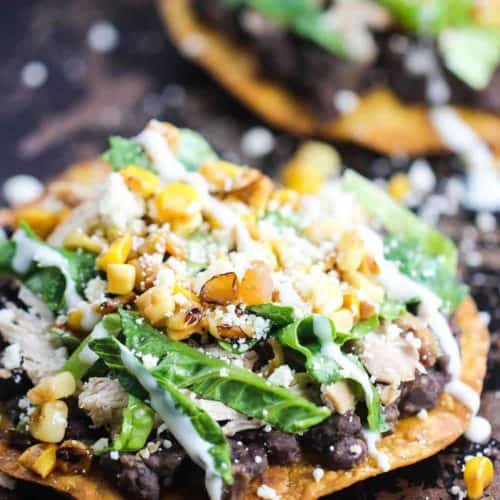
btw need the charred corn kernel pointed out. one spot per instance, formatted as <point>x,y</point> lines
<point>369,266</point>
<point>366,310</point>
<point>350,251</point>
<point>156,304</point>
<point>121,278</point>
<point>177,200</point>
<point>373,292</point>
<point>40,220</point>
<point>49,421</point>
<point>73,457</point>
<point>140,180</point>
<point>478,475</point>
<point>256,193</point>
<point>59,386</point>
<point>39,458</point>
<point>343,320</point>
<point>321,230</point>
<point>183,323</point>
<point>351,302</point>
<point>78,239</point>
<point>399,186</point>
<point>117,253</point>
<point>74,320</point>
<point>184,226</point>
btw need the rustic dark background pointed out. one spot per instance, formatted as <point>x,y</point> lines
<point>88,95</point>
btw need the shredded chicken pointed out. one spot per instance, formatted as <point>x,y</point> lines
<point>104,399</point>
<point>390,359</point>
<point>40,357</point>
<point>338,396</point>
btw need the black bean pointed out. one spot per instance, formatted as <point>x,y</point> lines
<point>345,453</point>
<point>165,464</point>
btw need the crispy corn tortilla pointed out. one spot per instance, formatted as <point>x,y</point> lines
<point>413,440</point>
<point>381,121</point>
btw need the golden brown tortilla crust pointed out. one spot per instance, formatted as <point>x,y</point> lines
<point>413,440</point>
<point>381,121</point>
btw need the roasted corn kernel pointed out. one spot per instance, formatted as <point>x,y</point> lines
<point>74,320</point>
<point>39,458</point>
<point>183,323</point>
<point>49,421</point>
<point>78,239</point>
<point>343,320</point>
<point>59,386</point>
<point>256,287</point>
<point>478,475</point>
<point>399,187</point>
<point>220,174</point>
<point>350,251</point>
<point>73,457</point>
<point>310,167</point>
<point>156,304</point>
<point>351,302</point>
<point>177,200</point>
<point>40,220</point>
<point>184,226</point>
<point>140,180</point>
<point>117,253</point>
<point>368,288</point>
<point>121,278</point>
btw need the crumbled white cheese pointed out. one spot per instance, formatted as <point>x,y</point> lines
<point>103,37</point>
<point>458,492</point>
<point>422,414</point>
<point>283,375</point>
<point>34,74</point>
<point>118,206</point>
<point>114,455</point>
<point>100,445</point>
<point>7,482</point>
<point>95,291</point>
<point>486,222</point>
<point>11,357</point>
<point>345,101</point>
<point>150,361</point>
<point>267,493</point>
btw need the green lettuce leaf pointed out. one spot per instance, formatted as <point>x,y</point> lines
<point>471,53</point>
<point>398,220</point>
<point>212,378</point>
<point>173,406</point>
<point>193,149</point>
<point>304,17</point>
<point>124,152</point>
<point>429,17</point>
<point>327,364</point>
<point>429,271</point>
<point>279,315</point>
<point>137,424</point>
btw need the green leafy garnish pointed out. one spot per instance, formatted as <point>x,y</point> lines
<point>212,378</point>
<point>315,338</point>
<point>415,263</point>
<point>137,424</point>
<point>279,315</point>
<point>304,17</point>
<point>429,17</point>
<point>193,149</point>
<point>178,411</point>
<point>392,309</point>
<point>398,220</point>
<point>65,338</point>
<point>471,53</point>
<point>124,152</point>
<point>283,221</point>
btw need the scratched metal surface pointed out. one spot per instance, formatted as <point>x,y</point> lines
<point>89,95</point>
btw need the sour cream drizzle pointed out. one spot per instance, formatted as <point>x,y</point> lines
<point>29,250</point>
<point>372,438</point>
<point>179,424</point>
<point>87,355</point>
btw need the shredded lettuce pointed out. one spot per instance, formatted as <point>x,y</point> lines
<point>327,364</point>
<point>212,378</point>
<point>124,152</point>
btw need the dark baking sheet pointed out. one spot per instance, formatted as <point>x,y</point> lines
<point>88,96</point>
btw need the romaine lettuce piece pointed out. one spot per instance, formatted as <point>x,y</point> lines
<point>193,149</point>
<point>314,337</point>
<point>212,378</point>
<point>124,152</point>
<point>200,436</point>
<point>398,220</point>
